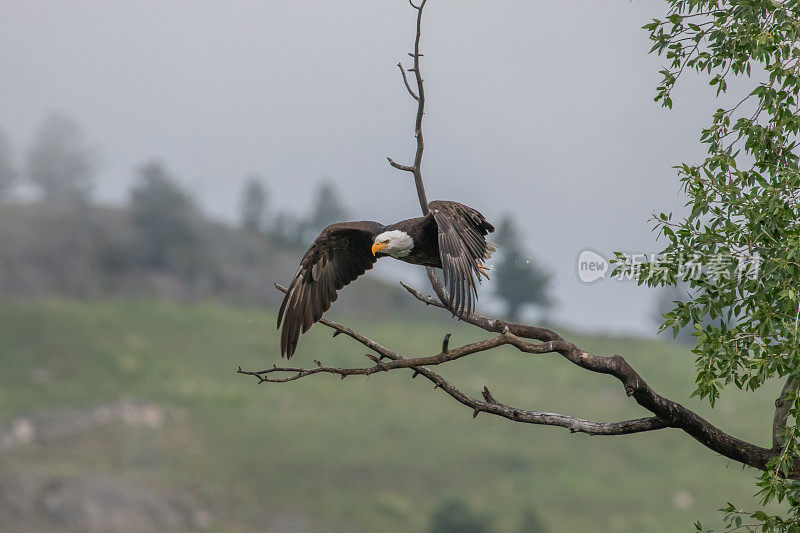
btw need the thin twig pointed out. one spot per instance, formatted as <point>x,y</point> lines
<point>399,166</point>
<point>405,80</point>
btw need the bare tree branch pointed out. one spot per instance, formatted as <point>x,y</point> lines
<point>667,412</point>
<point>398,166</point>
<point>405,80</point>
<point>672,413</point>
<point>446,343</point>
<point>490,405</point>
<point>491,324</point>
<point>416,168</point>
<point>575,425</point>
<point>419,96</point>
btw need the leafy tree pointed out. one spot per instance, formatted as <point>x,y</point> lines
<point>518,279</point>
<point>8,174</point>
<point>289,230</point>
<point>743,227</point>
<point>666,301</point>
<point>296,232</point>
<point>164,215</point>
<point>60,161</point>
<point>254,204</point>
<point>456,516</point>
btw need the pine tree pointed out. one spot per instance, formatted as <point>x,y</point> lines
<point>519,281</point>
<point>60,161</point>
<point>254,204</point>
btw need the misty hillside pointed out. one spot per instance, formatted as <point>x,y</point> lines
<point>92,252</point>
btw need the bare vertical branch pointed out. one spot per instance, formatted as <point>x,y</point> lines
<point>423,200</point>
<point>419,96</point>
<point>416,168</point>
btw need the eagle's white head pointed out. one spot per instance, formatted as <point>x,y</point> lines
<point>395,243</point>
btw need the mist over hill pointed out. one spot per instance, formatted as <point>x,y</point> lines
<point>89,252</point>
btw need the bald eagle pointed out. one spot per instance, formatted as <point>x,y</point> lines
<point>451,237</point>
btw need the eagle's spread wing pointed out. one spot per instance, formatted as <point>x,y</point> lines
<point>340,254</point>
<point>462,247</point>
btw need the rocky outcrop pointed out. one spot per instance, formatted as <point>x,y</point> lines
<point>45,429</point>
<point>95,504</point>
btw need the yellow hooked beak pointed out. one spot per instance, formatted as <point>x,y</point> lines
<point>378,246</point>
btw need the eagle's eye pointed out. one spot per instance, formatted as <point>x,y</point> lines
<point>386,241</point>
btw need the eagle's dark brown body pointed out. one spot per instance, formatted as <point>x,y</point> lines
<point>450,237</point>
<point>425,233</point>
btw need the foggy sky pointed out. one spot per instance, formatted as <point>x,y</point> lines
<point>539,109</point>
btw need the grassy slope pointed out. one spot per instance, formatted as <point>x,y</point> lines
<point>372,454</point>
